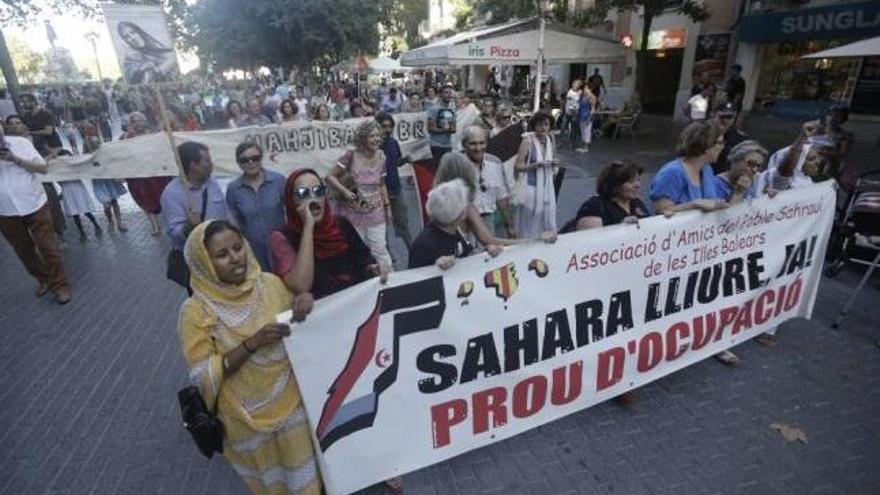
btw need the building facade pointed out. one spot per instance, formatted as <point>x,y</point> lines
<point>774,35</point>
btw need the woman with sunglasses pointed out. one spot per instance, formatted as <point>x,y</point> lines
<point>746,163</point>
<point>256,201</point>
<point>316,252</point>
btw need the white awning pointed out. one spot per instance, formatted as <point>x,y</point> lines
<point>387,64</point>
<point>516,43</point>
<point>865,48</point>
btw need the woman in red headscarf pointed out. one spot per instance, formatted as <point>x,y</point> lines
<point>317,252</point>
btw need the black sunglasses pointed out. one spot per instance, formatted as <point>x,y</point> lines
<point>250,159</point>
<point>316,192</point>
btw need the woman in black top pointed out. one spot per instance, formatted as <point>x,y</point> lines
<point>619,189</point>
<point>441,241</point>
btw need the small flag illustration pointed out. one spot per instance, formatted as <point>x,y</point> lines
<point>539,267</point>
<point>503,280</point>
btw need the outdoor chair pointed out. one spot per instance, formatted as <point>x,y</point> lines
<point>626,123</point>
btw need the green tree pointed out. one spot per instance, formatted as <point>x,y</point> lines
<point>20,12</point>
<point>246,35</point>
<point>28,63</point>
<point>401,19</point>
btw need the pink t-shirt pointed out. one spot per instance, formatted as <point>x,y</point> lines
<point>369,176</point>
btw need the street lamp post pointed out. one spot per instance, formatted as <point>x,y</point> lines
<point>93,38</point>
<point>542,6</point>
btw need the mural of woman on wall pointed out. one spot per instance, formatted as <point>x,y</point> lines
<point>147,60</point>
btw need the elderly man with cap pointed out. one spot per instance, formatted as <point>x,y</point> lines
<point>724,117</point>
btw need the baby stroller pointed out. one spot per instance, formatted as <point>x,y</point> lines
<point>857,235</point>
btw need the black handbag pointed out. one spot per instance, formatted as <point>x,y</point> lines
<point>177,270</point>
<point>202,423</point>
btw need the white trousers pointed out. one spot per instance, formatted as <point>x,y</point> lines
<point>374,238</point>
<point>587,131</point>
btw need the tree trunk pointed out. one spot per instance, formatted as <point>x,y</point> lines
<point>8,69</point>
<point>642,55</point>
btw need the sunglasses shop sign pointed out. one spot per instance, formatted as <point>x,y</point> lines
<point>285,148</point>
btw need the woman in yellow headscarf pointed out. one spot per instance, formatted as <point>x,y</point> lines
<point>233,348</point>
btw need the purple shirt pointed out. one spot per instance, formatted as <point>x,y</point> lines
<point>175,207</point>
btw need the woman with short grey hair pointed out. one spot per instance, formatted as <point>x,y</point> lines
<point>747,160</point>
<point>442,240</point>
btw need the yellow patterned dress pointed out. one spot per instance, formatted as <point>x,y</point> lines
<point>267,437</point>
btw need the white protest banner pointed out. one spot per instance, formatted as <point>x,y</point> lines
<point>435,364</point>
<point>287,147</point>
<point>142,43</point>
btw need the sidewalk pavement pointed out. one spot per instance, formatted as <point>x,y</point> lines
<point>88,392</point>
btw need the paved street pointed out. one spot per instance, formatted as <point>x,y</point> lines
<point>88,391</point>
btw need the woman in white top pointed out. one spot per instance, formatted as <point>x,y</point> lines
<point>536,165</point>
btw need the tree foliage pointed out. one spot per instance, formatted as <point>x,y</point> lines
<point>235,34</point>
<point>28,64</point>
<point>23,11</point>
<point>401,19</point>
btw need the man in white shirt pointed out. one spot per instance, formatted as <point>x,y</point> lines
<point>491,194</point>
<point>697,107</point>
<point>25,219</point>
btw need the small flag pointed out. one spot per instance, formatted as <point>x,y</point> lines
<point>539,267</point>
<point>503,280</point>
<point>465,289</point>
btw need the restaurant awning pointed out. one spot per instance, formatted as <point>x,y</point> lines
<point>864,48</point>
<point>516,43</point>
<point>376,65</point>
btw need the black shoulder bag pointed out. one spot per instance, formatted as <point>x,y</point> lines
<point>202,423</point>
<point>178,271</point>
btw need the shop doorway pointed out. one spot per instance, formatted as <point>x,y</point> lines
<point>662,74</point>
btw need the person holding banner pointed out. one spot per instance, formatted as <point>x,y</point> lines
<point>196,195</point>
<point>618,199</point>
<point>365,201</point>
<point>288,112</point>
<point>254,115</point>
<point>233,111</point>
<point>442,240</point>
<point>746,164</point>
<point>317,252</point>
<point>146,191</point>
<point>688,183</point>
<point>233,349</point>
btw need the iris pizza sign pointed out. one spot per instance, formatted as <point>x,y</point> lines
<point>493,52</point>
